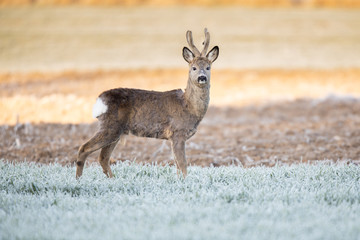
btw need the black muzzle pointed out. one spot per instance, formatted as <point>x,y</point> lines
<point>202,79</point>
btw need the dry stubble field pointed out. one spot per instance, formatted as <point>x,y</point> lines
<point>299,103</point>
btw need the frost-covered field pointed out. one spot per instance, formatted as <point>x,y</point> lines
<point>150,202</point>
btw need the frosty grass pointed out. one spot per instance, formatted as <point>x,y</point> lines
<point>150,202</point>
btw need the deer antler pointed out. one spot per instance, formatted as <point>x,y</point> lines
<point>206,42</point>
<point>191,43</point>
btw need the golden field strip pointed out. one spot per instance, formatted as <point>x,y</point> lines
<point>68,97</point>
<point>48,39</point>
<point>248,3</point>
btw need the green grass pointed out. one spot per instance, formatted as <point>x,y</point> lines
<point>150,202</point>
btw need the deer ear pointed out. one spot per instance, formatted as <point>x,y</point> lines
<point>213,54</point>
<point>188,55</point>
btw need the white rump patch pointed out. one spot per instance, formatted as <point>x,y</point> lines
<point>99,108</point>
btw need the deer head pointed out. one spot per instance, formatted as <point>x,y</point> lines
<point>200,63</point>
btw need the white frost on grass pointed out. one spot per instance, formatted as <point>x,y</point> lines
<point>150,202</point>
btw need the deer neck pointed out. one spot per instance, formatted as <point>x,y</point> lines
<point>197,99</point>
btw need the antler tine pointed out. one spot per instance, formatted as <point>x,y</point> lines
<point>206,42</point>
<point>191,43</point>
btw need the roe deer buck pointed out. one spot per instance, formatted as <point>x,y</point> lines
<point>172,115</point>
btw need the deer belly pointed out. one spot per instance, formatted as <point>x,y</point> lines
<point>151,131</point>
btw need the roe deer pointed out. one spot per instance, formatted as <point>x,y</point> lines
<point>172,115</point>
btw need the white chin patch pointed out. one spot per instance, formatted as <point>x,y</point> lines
<point>99,108</point>
<point>202,81</point>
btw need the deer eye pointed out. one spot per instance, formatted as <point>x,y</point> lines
<point>194,68</point>
<point>208,68</point>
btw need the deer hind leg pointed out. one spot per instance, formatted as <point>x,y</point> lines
<point>178,149</point>
<point>104,158</point>
<point>101,139</point>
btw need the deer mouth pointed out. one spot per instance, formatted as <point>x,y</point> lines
<point>202,80</point>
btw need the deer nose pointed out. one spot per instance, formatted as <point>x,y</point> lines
<point>202,79</point>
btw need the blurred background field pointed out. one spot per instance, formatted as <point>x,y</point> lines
<point>252,3</point>
<point>87,38</point>
<point>65,56</point>
<point>285,88</point>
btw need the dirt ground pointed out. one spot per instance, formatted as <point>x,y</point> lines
<point>263,117</point>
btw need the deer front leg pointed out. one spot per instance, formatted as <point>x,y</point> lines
<point>178,149</point>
